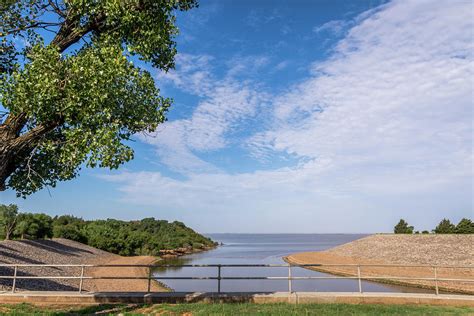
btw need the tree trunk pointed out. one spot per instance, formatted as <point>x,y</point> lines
<point>8,233</point>
<point>9,131</point>
<point>13,143</point>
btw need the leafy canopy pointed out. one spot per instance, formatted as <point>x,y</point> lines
<point>445,227</point>
<point>71,91</point>
<point>8,219</point>
<point>143,237</point>
<point>403,228</point>
<point>465,226</point>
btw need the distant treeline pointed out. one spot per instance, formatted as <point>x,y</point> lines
<point>128,238</point>
<point>465,226</point>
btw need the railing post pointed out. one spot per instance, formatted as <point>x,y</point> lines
<point>82,279</point>
<point>149,280</point>
<point>289,278</point>
<point>436,279</point>
<point>14,279</point>
<point>219,278</point>
<point>358,277</point>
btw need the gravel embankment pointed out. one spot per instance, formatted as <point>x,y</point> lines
<point>63,251</point>
<point>440,250</point>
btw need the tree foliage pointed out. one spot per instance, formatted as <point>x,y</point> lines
<point>8,220</point>
<point>403,228</point>
<point>35,226</point>
<point>445,227</point>
<point>143,237</point>
<point>78,98</point>
<point>465,226</point>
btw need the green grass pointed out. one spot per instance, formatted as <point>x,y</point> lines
<point>238,309</point>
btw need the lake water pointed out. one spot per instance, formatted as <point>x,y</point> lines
<point>263,249</point>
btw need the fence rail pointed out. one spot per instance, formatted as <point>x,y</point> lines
<point>82,277</point>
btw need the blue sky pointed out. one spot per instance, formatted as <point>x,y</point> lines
<point>301,116</point>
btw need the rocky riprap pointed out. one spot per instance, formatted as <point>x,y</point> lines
<point>429,249</point>
<point>55,251</point>
<point>426,251</point>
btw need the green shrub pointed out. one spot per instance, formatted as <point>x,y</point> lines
<point>128,238</point>
<point>403,228</point>
<point>445,227</point>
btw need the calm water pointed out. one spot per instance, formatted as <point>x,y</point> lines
<point>263,249</point>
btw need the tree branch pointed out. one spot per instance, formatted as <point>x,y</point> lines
<point>71,32</point>
<point>13,124</point>
<point>32,135</point>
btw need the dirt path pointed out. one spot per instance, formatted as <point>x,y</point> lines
<point>123,285</point>
<point>455,250</point>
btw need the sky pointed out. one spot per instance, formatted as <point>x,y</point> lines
<point>301,117</point>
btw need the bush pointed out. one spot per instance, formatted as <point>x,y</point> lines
<point>445,227</point>
<point>69,232</point>
<point>403,228</point>
<point>129,238</point>
<point>465,226</point>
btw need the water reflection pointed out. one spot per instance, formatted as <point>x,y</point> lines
<point>175,262</point>
<point>263,249</point>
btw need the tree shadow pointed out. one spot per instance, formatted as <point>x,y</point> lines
<point>22,260</point>
<point>32,284</point>
<point>8,248</point>
<point>55,246</point>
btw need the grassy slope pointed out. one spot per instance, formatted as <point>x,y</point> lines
<point>240,309</point>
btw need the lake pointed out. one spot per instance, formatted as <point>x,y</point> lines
<point>263,249</point>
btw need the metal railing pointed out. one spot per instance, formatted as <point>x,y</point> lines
<point>359,277</point>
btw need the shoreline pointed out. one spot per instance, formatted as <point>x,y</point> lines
<point>108,285</point>
<point>67,252</point>
<point>179,252</point>
<point>139,285</point>
<point>395,282</point>
<point>440,250</point>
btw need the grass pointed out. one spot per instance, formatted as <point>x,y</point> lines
<point>237,309</point>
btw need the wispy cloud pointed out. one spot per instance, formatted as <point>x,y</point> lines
<point>225,102</point>
<point>334,26</point>
<point>193,74</point>
<point>246,65</point>
<point>385,121</point>
<point>257,18</point>
<point>281,65</point>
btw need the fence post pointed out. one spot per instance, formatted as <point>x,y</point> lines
<point>219,278</point>
<point>289,278</point>
<point>436,279</point>
<point>358,277</point>
<point>14,279</point>
<point>149,280</point>
<point>82,279</point>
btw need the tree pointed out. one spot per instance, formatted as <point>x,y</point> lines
<point>70,232</point>
<point>445,227</point>
<point>403,228</point>
<point>8,219</point>
<point>77,99</point>
<point>465,226</point>
<point>23,228</point>
<point>34,226</point>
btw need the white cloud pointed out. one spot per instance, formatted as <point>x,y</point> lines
<point>246,65</point>
<point>281,65</point>
<point>224,103</point>
<point>384,124</point>
<point>193,74</point>
<point>334,26</point>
